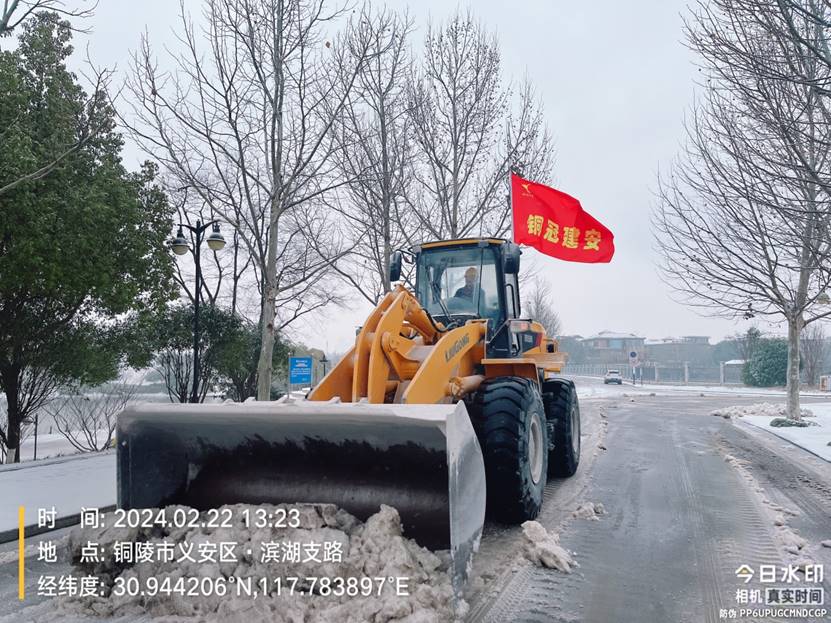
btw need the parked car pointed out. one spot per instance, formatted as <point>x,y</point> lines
<point>613,376</point>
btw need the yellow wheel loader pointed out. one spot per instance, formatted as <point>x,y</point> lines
<point>447,403</point>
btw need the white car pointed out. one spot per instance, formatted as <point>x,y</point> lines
<point>613,376</point>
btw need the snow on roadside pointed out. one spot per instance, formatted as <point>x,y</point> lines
<point>598,390</point>
<point>739,390</point>
<point>593,391</point>
<point>52,445</point>
<point>815,438</point>
<point>589,510</point>
<point>543,548</point>
<point>764,409</point>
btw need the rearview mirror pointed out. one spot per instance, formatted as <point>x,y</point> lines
<point>510,258</point>
<point>395,266</point>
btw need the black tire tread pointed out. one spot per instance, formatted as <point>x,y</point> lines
<point>497,413</point>
<point>562,461</point>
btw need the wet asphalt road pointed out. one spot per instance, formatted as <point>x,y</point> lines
<point>680,519</point>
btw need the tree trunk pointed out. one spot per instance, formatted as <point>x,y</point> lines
<point>264,367</point>
<point>794,329</point>
<point>11,377</point>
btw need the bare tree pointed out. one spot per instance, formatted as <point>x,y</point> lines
<point>743,220</point>
<point>375,152</point>
<point>87,417</point>
<point>245,120</point>
<point>813,350</point>
<point>539,306</point>
<point>795,20</point>
<point>175,365</point>
<point>34,387</point>
<point>15,12</point>
<point>471,131</point>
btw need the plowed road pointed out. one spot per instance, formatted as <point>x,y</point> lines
<point>681,519</point>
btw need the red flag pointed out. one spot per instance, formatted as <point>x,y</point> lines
<point>555,223</point>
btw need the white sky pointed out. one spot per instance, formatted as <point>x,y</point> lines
<point>615,80</point>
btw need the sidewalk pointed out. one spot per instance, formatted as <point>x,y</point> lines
<point>67,483</point>
<point>814,439</point>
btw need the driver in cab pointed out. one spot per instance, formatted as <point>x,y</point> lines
<point>469,290</point>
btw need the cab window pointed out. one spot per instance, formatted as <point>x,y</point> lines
<point>459,282</point>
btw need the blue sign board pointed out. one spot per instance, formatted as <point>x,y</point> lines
<point>300,370</point>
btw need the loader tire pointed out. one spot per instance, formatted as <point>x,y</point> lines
<point>509,419</point>
<point>562,411</point>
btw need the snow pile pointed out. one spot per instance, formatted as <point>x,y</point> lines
<point>589,510</point>
<point>543,548</point>
<point>766,409</point>
<point>375,549</point>
<point>790,541</point>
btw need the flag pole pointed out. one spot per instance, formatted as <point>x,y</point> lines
<point>511,200</point>
<point>511,204</point>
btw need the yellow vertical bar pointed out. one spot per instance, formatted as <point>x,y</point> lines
<point>21,550</point>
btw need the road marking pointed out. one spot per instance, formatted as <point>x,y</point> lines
<point>21,553</point>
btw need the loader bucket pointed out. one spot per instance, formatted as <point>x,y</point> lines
<point>424,460</point>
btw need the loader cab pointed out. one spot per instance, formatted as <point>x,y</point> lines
<point>461,280</point>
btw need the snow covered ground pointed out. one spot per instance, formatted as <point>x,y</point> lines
<point>815,438</point>
<point>51,445</point>
<point>592,387</point>
<point>67,483</point>
<point>592,390</point>
<point>54,444</point>
<point>738,390</point>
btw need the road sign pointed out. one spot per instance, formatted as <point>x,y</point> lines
<point>633,358</point>
<point>300,370</point>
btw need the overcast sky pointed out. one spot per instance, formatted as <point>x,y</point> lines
<point>615,80</point>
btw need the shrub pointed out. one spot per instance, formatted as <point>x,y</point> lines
<point>768,365</point>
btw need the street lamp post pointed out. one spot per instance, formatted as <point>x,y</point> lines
<point>180,246</point>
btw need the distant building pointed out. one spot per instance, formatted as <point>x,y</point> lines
<point>612,347</point>
<point>694,349</point>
